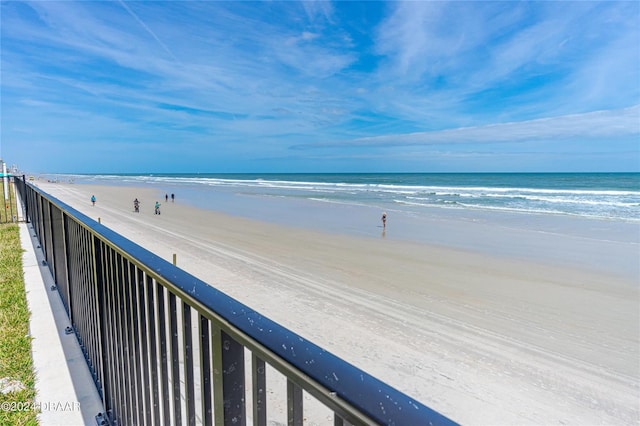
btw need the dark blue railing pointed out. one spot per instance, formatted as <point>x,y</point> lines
<point>166,348</point>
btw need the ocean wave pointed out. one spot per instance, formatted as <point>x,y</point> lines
<point>615,203</point>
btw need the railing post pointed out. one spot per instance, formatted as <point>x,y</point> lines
<point>112,390</point>
<point>135,344</point>
<point>24,199</point>
<point>205,371</point>
<point>294,404</point>
<point>175,360</point>
<point>162,336</point>
<point>63,271</point>
<point>190,393</point>
<point>142,336</point>
<point>121,361</point>
<point>228,380</point>
<point>99,290</point>
<point>259,380</point>
<point>152,326</point>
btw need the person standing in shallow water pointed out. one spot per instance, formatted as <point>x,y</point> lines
<point>173,197</point>
<point>384,219</point>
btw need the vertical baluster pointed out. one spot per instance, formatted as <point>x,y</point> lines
<point>136,344</point>
<point>121,342</point>
<point>205,372</point>
<point>294,404</point>
<point>152,361</point>
<point>229,381</point>
<point>109,352</point>
<point>120,408</point>
<point>101,316</point>
<point>175,360</point>
<point>143,333</point>
<point>188,365</point>
<point>259,380</point>
<point>129,382</point>
<point>162,334</point>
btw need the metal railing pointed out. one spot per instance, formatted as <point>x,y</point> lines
<point>9,210</point>
<point>166,348</point>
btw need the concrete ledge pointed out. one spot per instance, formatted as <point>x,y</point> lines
<point>65,391</point>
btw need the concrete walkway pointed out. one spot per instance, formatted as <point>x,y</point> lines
<point>65,392</point>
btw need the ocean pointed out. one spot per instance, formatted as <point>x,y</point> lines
<point>588,220</point>
<point>608,196</point>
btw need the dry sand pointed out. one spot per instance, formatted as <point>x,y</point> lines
<point>481,339</point>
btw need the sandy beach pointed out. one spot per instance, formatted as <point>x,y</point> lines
<point>482,338</point>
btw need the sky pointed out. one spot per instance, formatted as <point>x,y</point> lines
<point>319,86</point>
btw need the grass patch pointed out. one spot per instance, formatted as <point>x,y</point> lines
<point>15,341</point>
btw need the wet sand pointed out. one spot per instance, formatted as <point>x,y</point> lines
<point>481,338</point>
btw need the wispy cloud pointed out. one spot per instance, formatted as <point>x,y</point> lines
<point>598,124</point>
<point>252,79</point>
<point>147,29</point>
<point>559,58</point>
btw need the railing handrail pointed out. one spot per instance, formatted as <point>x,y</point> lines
<point>338,384</point>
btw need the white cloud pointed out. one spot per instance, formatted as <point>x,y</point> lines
<point>551,59</point>
<point>318,10</point>
<point>260,74</point>
<point>306,35</point>
<point>598,124</point>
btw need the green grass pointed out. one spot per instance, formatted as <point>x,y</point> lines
<point>15,342</point>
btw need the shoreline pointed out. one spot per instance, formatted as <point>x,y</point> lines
<point>481,338</point>
<point>599,245</point>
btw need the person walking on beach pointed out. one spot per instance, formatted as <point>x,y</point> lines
<point>136,206</point>
<point>173,197</point>
<point>166,198</point>
<point>384,219</point>
<point>157,211</point>
<point>93,200</point>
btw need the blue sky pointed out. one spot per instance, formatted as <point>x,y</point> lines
<point>318,86</point>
